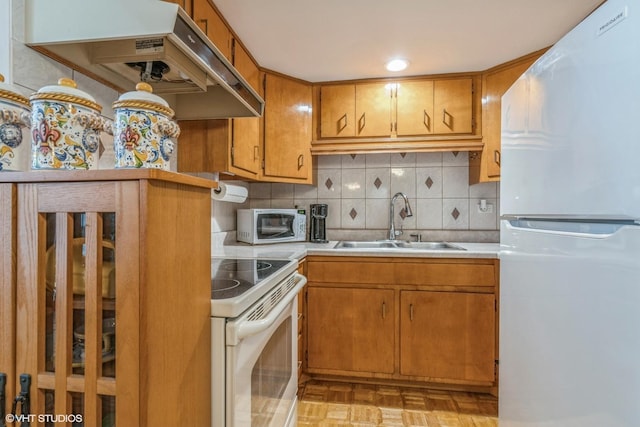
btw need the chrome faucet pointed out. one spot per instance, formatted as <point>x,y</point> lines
<point>407,208</point>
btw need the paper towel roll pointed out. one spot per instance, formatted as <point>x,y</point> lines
<point>229,193</point>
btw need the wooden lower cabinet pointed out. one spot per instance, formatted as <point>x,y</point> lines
<point>448,335</point>
<point>107,295</point>
<point>351,329</point>
<point>426,320</point>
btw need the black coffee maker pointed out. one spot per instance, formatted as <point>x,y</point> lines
<point>318,227</point>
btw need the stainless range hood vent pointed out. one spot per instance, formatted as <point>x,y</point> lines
<point>125,42</point>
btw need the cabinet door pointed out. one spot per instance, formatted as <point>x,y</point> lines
<point>337,111</point>
<point>287,128</point>
<point>373,109</point>
<point>245,136</point>
<point>447,335</point>
<point>494,85</point>
<point>414,114</point>
<point>350,329</point>
<point>72,264</point>
<point>213,26</point>
<point>453,106</point>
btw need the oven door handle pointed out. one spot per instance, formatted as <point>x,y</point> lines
<point>251,327</point>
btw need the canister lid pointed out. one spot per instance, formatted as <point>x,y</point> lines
<point>66,91</point>
<point>144,98</point>
<point>11,93</point>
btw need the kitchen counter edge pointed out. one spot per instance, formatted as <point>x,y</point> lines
<point>301,250</point>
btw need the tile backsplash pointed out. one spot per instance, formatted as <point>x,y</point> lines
<point>358,189</point>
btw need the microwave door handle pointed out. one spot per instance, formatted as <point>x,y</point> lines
<point>251,327</point>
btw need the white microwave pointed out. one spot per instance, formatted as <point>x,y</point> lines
<point>257,226</point>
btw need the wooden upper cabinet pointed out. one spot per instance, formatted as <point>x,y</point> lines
<point>373,109</point>
<point>338,111</point>
<point>414,115</point>
<point>245,133</point>
<point>351,110</point>
<point>495,82</point>
<point>209,21</point>
<point>225,145</point>
<point>287,129</point>
<point>404,108</point>
<point>245,65</point>
<point>453,106</point>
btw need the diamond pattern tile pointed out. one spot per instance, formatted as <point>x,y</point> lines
<point>353,213</point>
<point>377,183</point>
<point>455,213</point>
<point>428,182</point>
<point>403,213</point>
<point>328,183</point>
<point>353,156</point>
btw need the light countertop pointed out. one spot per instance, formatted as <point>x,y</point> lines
<point>302,249</point>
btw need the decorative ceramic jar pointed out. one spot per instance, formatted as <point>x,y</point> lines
<point>14,118</point>
<point>144,133</point>
<point>65,127</point>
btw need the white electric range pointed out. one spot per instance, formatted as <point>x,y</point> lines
<point>254,324</point>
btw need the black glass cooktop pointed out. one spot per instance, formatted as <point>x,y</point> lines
<point>233,277</point>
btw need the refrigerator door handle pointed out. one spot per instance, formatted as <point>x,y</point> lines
<point>590,229</point>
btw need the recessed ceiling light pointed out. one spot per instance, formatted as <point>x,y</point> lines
<point>397,64</point>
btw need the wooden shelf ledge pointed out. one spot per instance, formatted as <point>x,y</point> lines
<point>395,145</point>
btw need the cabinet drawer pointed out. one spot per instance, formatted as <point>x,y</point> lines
<point>350,272</point>
<point>445,274</point>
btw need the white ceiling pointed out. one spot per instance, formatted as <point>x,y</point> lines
<point>327,40</point>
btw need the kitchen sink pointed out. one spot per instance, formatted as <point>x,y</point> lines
<point>397,244</point>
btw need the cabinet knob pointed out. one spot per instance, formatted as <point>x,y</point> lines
<point>496,157</point>
<point>300,161</point>
<point>411,312</point>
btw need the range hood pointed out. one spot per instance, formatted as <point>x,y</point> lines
<point>128,41</point>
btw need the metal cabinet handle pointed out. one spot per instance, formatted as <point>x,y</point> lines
<point>496,157</point>
<point>362,122</point>
<point>427,120</point>
<point>300,161</point>
<point>344,122</point>
<point>384,310</point>
<point>448,123</point>
<point>411,312</point>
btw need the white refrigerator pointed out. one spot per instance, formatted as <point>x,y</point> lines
<point>570,230</point>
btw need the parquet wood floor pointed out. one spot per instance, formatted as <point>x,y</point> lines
<point>332,404</point>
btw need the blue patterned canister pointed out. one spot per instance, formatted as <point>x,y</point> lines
<point>65,128</point>
<point>144,133</point>
<point>15,121</point>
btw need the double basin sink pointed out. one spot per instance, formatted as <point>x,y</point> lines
<point>397,244</point>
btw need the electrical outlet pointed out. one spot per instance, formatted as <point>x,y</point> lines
<point>488,208</point>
